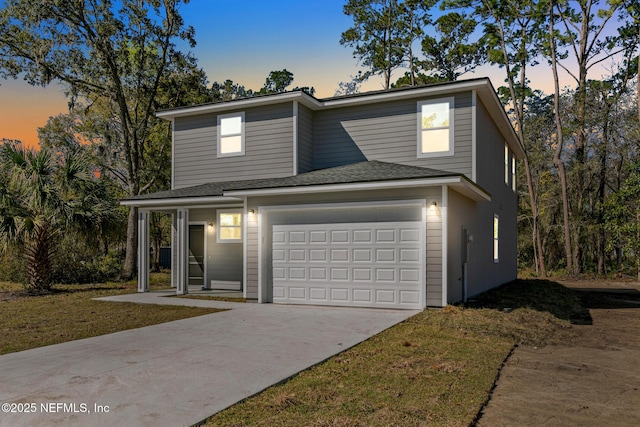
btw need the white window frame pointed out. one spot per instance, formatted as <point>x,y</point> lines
<point>450,152</point>
<point>513,173</point>
<point>219,225</point>
<point>506,164</point>
<point>496,238</point>
<point>221,117</point>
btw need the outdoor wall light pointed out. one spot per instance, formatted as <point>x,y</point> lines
<point>252,212</point>
<point>434,204</point>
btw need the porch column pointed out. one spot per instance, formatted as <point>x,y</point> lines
<point>143,250</point>
<point>174,251</point>
<point>182,251</point>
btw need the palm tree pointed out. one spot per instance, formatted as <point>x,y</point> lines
<point>43,195</point>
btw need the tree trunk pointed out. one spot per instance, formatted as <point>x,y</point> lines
<point>601,190</point>
<point>537,242</point>
<point>39,255</point>
<point>557,160</point>
<point>129,269</point>
<point>519,108</point>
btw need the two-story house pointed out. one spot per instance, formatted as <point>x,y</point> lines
<point>402,198</point>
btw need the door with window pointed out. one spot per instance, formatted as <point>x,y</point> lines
<point>196,254</point>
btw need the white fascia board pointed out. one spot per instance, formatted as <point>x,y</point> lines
<point>240,104</point>
<point>465,186</point>
<point>174,202</point>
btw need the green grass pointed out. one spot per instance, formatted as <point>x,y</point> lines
<point>436,368</point>
<point>69,313</point>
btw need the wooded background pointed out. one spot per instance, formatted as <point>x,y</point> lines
<point>578,187</point>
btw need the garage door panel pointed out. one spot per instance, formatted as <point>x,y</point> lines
<point>339,236</point>
<point>297,237</point>
<point>362,255</point>
<point>339,295</point>
<point>278,292</point>
<point>386,255</point>
<point>409,275</point>
<point>299,293</point>
<point>318,255</point>
<point>279,255</point>
<point>339,255</point>
<point>279,236</point>
<point>409,255</point>
<point>362,295</point>
<point>409,235</point>
<point>296,273</point>
<point>361,274</point>
<point>317,273</point>
<point>340,274</point>
<point>386,236</point>
<point>362,236</point>
<point>318,295</point>
<point>318,237</point>
<point>409,297</point>
<point>297,255</point>
<point>363,264</point>
<point>279,273</point>
<point>385,275</point>
<point>385,296</point>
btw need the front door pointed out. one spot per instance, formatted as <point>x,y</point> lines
<point>196,255</point>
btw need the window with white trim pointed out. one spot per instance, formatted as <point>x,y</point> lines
<point>231,135</point>
<point>229,226</point>
<point>506,164</point>
<point>496,258</point>
<point>513,172</point>
<point>435,127</point>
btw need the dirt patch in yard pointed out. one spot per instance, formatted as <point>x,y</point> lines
<point>593,379</point>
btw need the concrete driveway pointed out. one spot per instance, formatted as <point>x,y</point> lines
<point>181,372</point>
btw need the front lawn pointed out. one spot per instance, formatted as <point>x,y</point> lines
<point>69,313</point>
<point>436,368</point>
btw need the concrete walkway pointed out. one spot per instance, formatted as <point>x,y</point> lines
<point>181,372</point>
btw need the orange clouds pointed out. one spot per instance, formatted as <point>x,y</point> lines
<point>24,108</point>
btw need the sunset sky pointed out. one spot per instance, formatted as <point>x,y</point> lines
<point>242,40</point>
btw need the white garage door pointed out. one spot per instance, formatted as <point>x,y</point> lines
<point>362,264</point>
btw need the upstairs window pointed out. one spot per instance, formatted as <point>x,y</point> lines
<point>229,226</point>
<point>496,258</point>
<point>506,164</point>
<point>435,127</point>
<point>513,173</point>
<point>231,135</point>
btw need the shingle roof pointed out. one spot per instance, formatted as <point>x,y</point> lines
<point>370,171</point>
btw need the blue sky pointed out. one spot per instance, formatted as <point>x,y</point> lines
<point>245,40</point>
<point>242,40</point>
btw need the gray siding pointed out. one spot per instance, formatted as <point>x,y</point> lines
<point>462,212</point>
<point>504,202</point>
<point>268,147</point>
<point>434,248</point>
<point>305,139</point>
<point>433,228</point>
<point>387,131</point>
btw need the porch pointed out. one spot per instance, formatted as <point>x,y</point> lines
<point>206,249</point>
